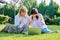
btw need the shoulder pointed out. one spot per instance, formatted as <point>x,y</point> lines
<point>16,16</point>
<point>40,15</point>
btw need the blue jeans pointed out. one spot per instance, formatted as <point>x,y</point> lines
<point>46,30</point>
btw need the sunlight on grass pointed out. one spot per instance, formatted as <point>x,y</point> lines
<point>2,26</point>
<point>34,34</point>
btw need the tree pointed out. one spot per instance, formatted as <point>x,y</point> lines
<point>42,7</point>
<point>51,9</point>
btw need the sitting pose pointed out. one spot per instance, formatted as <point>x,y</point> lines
<point>37,21</point>
<point>21,23</point>
<point>21,20</point>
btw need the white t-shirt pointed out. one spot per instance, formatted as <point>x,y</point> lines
<point>22,19</point>
<point>37,23</point>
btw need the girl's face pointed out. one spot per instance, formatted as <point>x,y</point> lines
<point>23,14</point>
<point>35,16</point>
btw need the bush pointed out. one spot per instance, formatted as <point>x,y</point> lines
<point>51,21</point>
<point>46,18</point>
<point>4,19</point>
<point>54,21</point>
<point>11,20</point>
<point>57,21</point>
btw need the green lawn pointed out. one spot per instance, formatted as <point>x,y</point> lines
<point>34,34</point>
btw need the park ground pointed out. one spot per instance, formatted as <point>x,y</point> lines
<point>34,34</point>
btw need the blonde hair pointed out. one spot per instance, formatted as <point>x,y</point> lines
<point>23,9</point>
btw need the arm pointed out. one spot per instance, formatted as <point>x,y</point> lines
<point>42,19</point>
<point>16,21</point>
<point>30,21</point>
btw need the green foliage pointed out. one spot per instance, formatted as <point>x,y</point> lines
<point>51,10</point>
<point>4,19</point>
<point>57,21</point>
<point>54,21</point>
<point>48,11</point>
<point>58,12</point>
<point>42,8</point>
<point>8,10</point>
<point>1,10</point>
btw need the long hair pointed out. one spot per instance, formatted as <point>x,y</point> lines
<point>34,11</point>
<point>23,9</point>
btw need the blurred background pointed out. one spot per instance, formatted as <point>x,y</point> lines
<point>50,9</point>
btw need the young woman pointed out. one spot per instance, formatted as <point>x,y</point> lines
<point>21,23</point>
<point>37,21</point>
<point>21,20</point>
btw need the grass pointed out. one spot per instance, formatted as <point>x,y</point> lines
<point>34,34</point>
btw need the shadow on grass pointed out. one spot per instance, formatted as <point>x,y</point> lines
<point>32,32</point>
